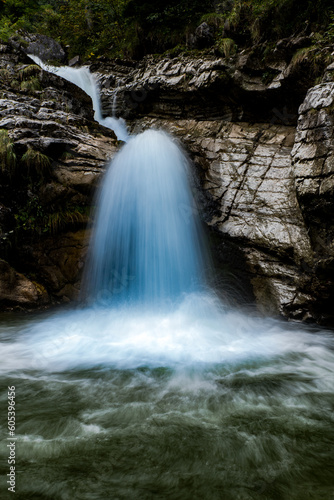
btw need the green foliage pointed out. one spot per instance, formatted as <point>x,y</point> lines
<point>29,71</point>
<point>214,19</point>
<point>8,27</point>
<point>227,47</point>
<point>7,154</point>
<point>31,84</point>
<point>133,28</point>
<point>71,217</point>
<point>30,216</point>
<point>36,163</point>
<point>35,218</point>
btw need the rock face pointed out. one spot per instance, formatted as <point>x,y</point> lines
<point>205,88</point>
<point>16,289</point>
<point>42,46</point>
<point>313,163</point>
<point>46,193</point>
<point>264,186</point>
<point>261,139</point>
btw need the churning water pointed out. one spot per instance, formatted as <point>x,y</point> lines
<point>154,389</point>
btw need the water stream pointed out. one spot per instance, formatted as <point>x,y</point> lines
<point>154,389</point>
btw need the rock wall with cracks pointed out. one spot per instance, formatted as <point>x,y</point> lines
<point>264,162</point>
<point>262,153</point>
<point>44,211</point>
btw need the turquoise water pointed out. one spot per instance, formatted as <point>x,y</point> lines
<point>147,245</point>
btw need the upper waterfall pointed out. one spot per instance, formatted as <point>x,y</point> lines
<point>83,78</point>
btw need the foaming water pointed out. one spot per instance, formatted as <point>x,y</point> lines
<point>125,403</point>
<point>196,333</point>
<point>82,77</point>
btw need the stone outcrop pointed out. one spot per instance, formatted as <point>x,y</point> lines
<point>46,48</point>
<point>242,88</point>
<point>313,164</point>
<point>17,289</point>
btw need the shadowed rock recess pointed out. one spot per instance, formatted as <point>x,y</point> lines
<point>261,139</point>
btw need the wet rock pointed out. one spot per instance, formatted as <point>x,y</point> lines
<point>203,36</point>
<point>56,121</point>
<point>46,48</point>
<point>74,61</point>
<point>17,290</point>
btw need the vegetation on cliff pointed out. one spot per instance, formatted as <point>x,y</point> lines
<point>132,28</point>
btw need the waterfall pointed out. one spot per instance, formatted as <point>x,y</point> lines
<point>119,399</point>
<point>148,244</point>
<point>83,78</point>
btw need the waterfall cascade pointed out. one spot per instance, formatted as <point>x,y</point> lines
<point>147,245</point>
<point>83,78</point>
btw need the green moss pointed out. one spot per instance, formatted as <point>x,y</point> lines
<point>36,163</point>
<point>7,154</point>
<point>31,84</point>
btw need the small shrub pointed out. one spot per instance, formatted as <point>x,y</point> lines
<point>308,55</point>
<point>37,162</point>
<point>227,47</point>
<point>7,155</point>
<point>213,19</point>
<point>31,85</point>
<point>29,71</point>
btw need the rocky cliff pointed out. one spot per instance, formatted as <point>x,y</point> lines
<point>260,134</point>
<point>51,154</point>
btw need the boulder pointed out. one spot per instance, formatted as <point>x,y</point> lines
<point>42,46</point>
<point>17,290</point>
